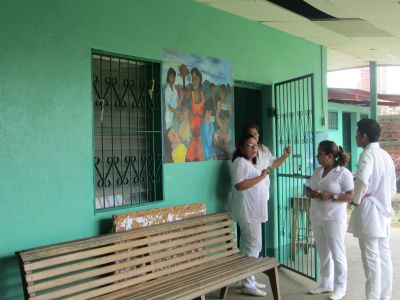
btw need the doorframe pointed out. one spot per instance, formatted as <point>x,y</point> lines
<point>267,128</point>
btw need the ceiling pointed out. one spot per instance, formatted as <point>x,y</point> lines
<point>357,32</point>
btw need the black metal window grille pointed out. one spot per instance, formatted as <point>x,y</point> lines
<point>333,120</point>
<point>127,131</point>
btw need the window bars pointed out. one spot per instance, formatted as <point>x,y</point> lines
<point>333,120</point>
<point>127,131</point>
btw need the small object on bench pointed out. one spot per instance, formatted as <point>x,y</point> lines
<point>179,260</point>
<point>148,217</point>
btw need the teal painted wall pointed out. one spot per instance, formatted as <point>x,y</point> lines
<point>46,183</point>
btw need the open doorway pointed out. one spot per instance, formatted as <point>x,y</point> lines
<point>248,107</point>
<point>346,129</point>
<point>252,104</point>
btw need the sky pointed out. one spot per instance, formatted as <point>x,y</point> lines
<point>351,79</point>
<point>213,69</point>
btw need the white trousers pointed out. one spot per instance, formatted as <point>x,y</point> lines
<point>250,245</point>
<point>329,238</point>
<point>378,269</point>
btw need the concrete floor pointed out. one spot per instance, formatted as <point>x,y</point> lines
<point>295,287</point>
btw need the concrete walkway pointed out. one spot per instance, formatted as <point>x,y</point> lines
<point>295,287</point>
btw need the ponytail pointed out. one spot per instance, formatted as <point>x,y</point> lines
<point>341,158</point>
<point>330,147</point>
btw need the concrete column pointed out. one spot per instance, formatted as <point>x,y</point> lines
<point>373,83</point>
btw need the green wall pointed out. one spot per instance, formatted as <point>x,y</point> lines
<point>46,183</point>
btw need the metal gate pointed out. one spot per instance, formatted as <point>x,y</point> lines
<point>294,103</point>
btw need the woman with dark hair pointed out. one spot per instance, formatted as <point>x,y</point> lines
<point>249,203</point>
<point>198,99</point>
<point>265,158</point>
<point>264,155</point>
<point>330,188</point>
<point>170,98</point>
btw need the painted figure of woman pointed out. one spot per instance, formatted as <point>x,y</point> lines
<point>198,99</point>
<point>223,116</point>
<point>171,98</point>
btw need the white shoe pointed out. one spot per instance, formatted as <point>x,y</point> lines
<point>253,292</point>
<point>337,296</point>
<point>260,285</point>
<point>238,285</point>
<point>320,290</point>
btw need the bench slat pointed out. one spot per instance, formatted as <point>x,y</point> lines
<point>201,255</point>
<point>121,294</point>
<point>154,259</point>
<point>207,271</point>
<point>122,245</point>
<point>68,247</point>
<point>116,257</point>
<point>133,281</point>
<point>237,267</point>
<point>201,285</point>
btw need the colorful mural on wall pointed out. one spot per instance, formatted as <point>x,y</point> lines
<point>198,108</point>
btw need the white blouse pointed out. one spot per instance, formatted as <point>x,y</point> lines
<point>339,180</point>
<point>171,99</point>
<point>249,205</point>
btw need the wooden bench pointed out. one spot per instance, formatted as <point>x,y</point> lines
<point>178,260</point>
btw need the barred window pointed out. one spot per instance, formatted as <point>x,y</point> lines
<point>127,131</point>
<point>333,120</point>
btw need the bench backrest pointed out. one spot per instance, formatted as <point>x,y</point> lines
<point>149,217</point>
<point>93,267</point>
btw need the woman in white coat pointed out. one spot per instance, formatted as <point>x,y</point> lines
<point>249,203</point>
<point>330,188</point>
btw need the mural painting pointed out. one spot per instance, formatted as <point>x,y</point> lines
<point>198,108</point>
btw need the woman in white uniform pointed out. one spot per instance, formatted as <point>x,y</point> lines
<point>249,204</point>
<point>330,188</point>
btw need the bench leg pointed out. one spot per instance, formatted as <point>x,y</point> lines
<point>274,281</point>
<point>202,297</point>
<point>223,292</point>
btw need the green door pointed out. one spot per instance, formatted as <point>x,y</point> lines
<point>347,137</point>
<point>294,120</point>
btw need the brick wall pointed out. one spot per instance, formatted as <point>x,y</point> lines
<point>390,126</point>
<point>390,140</point>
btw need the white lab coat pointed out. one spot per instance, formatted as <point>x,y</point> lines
<point>370,221</point>
<point>250,205</point>
<point>171,99</point>
<point>249,209</point>
<point>328,219</point>
<point>377,172</point>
